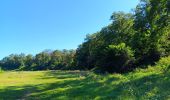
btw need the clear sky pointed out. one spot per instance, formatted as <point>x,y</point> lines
<point>30,26</point>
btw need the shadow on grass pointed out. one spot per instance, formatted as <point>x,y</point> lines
<point>154,86</point>
<point>65,74</point>
<point>15,92</point>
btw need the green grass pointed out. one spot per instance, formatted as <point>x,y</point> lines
<point>152,83</point>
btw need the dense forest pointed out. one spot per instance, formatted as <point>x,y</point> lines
<point>132,40</point>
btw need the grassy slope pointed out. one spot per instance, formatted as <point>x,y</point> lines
<point>152,83</point>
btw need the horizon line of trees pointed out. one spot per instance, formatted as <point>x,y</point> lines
<point>132,40</point>
<point>46,60</point>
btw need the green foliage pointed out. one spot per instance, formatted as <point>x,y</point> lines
<point>46,60</point>
<point>121,28</point>
<point>90,53</point>
<point>164,62</point>
<point>146,33</point>
<point>13,61</point>
<point>42,61</point>
<point>151,24</point>
<point>86,54</point>
<point>116,58</point>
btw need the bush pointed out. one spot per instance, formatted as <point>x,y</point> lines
<point>164,62</point>
<point>116,58</point>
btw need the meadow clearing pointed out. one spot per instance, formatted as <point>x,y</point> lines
<point>151,83</point>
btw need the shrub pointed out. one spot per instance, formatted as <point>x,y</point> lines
<point>116,58</point>
<point>164,62</point>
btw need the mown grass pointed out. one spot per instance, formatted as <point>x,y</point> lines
<point>152,83</point>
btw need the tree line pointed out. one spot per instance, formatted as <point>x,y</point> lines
<point>132,40</point>
<point>46,60</point>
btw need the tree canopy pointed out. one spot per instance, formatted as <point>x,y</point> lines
<point>132,40</point>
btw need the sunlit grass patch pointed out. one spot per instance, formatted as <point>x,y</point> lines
<point>142,84</point>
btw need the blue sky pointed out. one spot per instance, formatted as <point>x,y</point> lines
<point>30,26</point>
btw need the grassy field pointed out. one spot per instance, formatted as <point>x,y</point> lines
<point>152,83</point>
<point>143,84</point>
